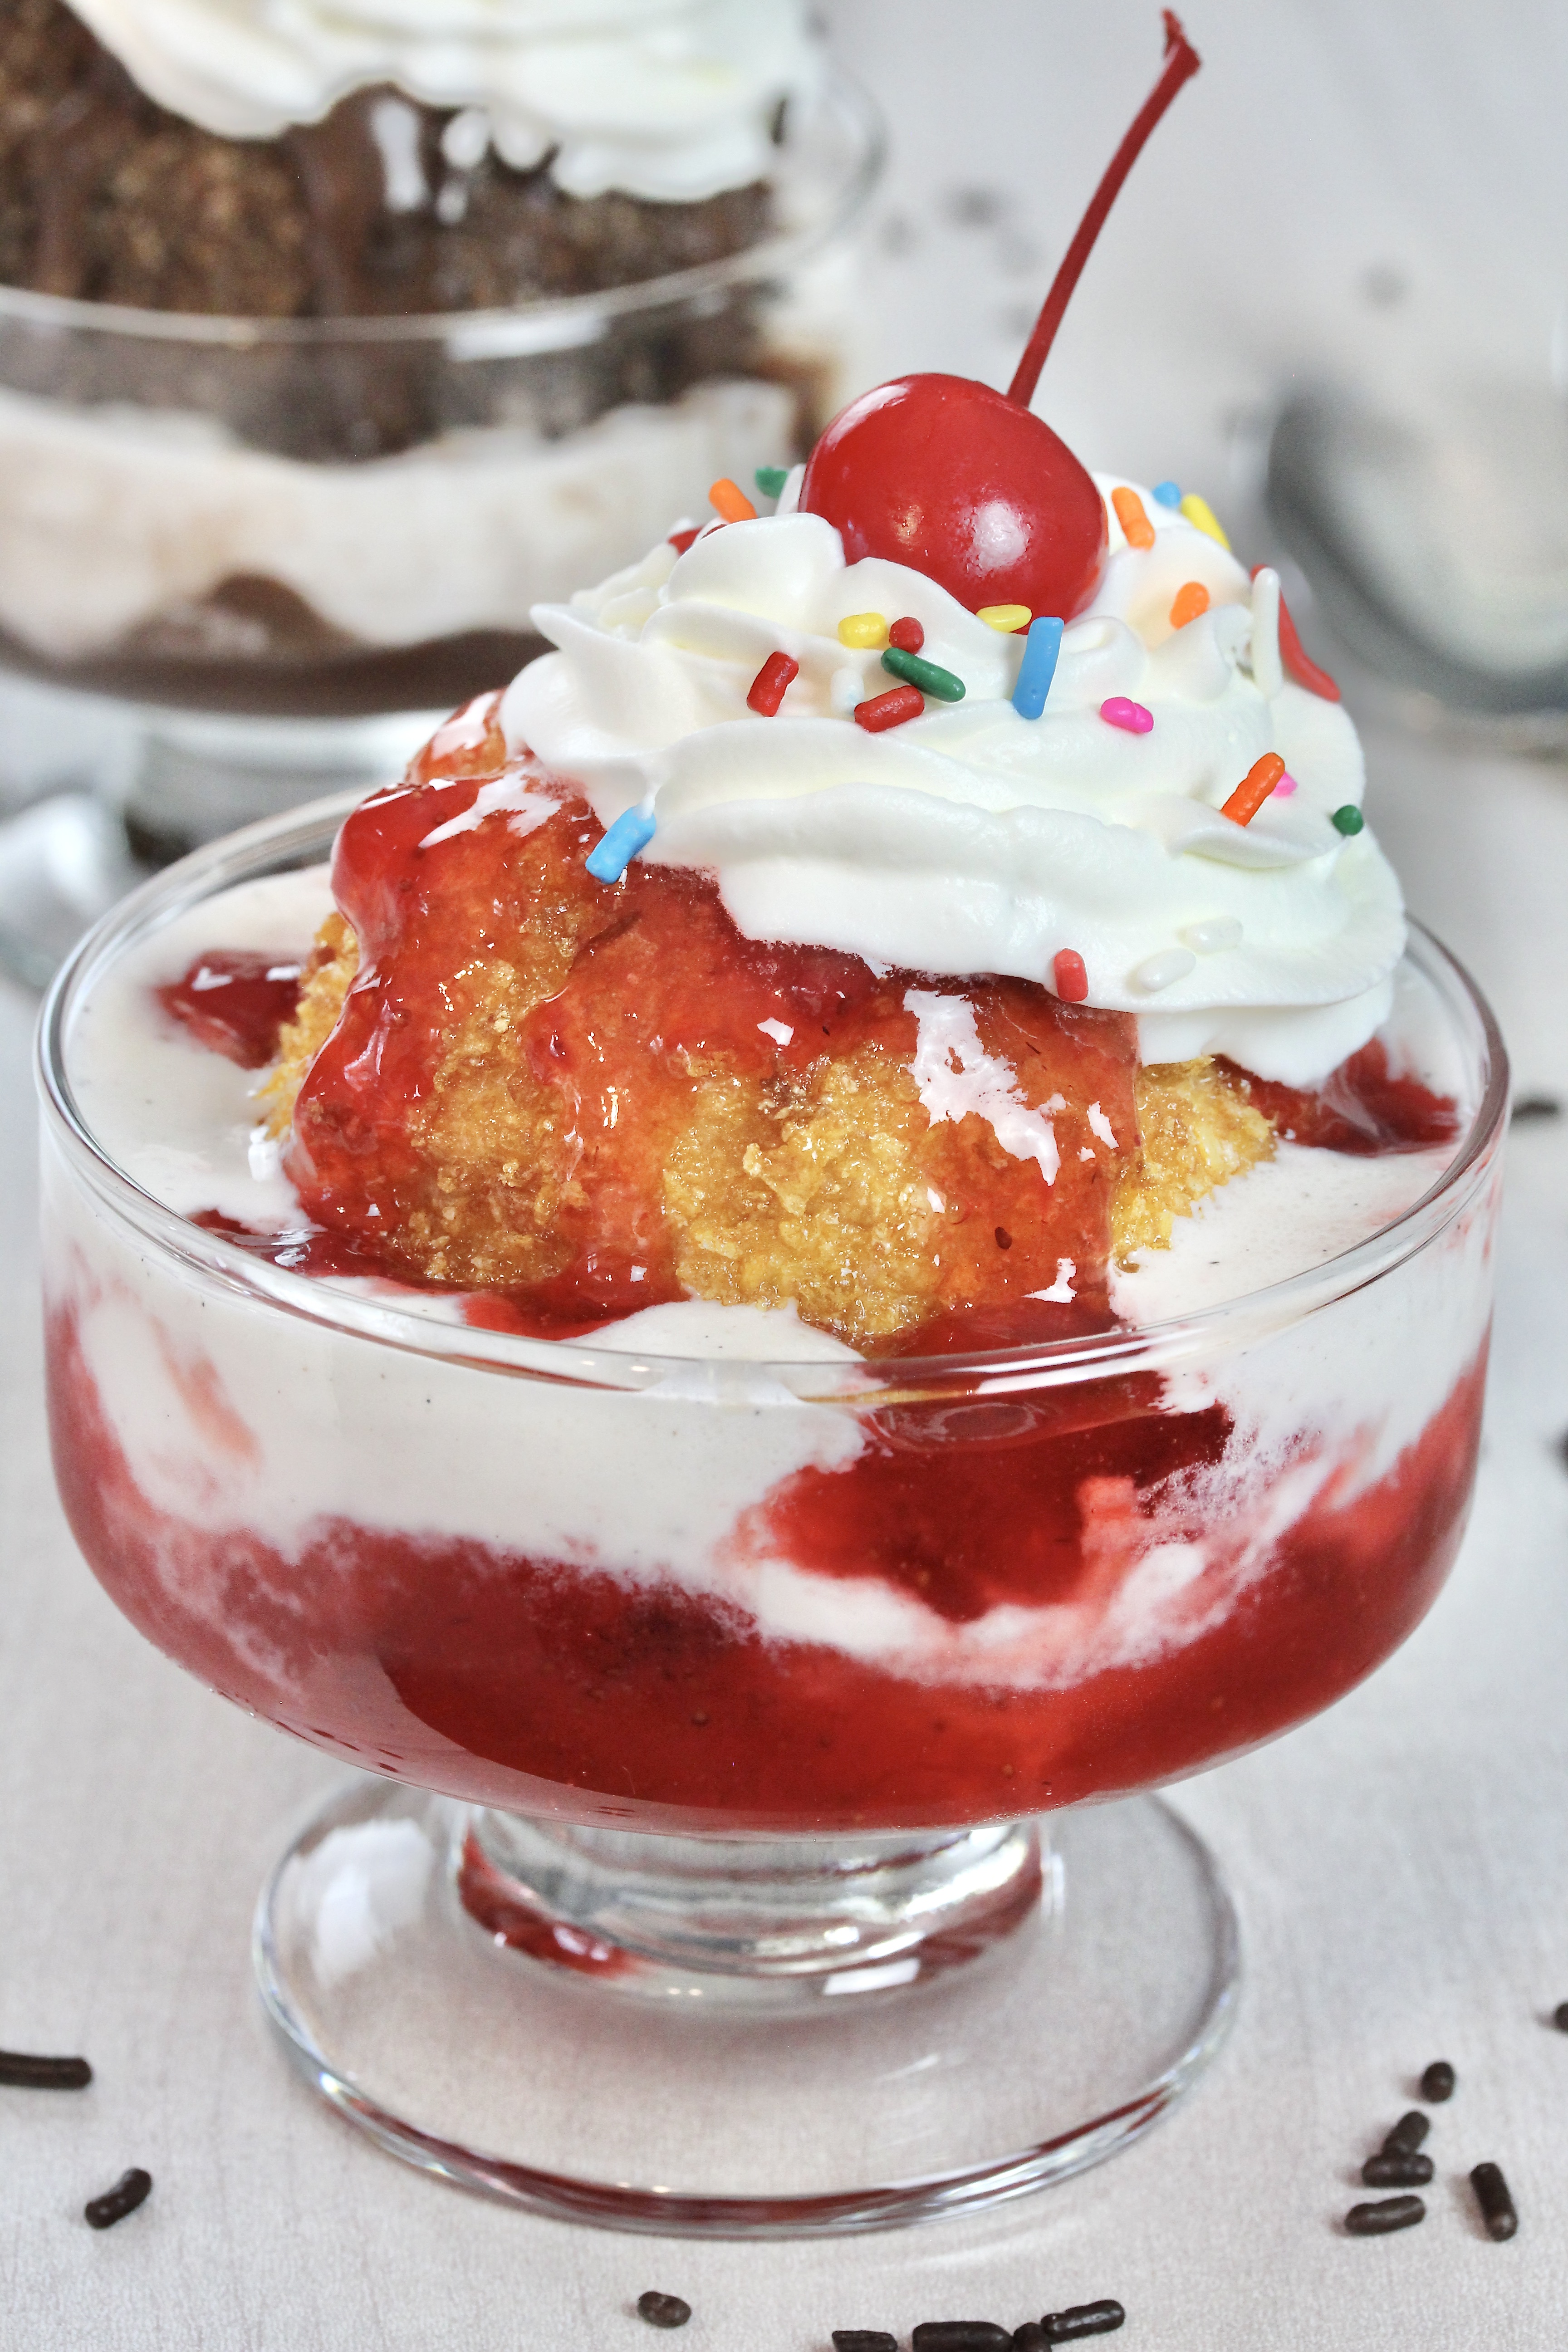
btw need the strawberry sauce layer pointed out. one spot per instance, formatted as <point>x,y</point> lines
<point>555,1686</point>
<point>235,1003</point>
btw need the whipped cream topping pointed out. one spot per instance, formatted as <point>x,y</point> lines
<point>670,100</point>
<point>971,839</point>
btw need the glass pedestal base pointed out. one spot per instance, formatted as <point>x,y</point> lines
<point>746,2038</point>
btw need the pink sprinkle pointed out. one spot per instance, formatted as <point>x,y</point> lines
<point>1284,788</point>
<point>1120,712</point>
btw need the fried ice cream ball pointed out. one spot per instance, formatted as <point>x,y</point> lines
<point>507,1078</point>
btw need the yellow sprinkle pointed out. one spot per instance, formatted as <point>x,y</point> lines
<point>863,629</point>
<point>1005,617</point>
<point>1199,512</point>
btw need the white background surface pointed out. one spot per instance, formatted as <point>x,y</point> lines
<point>1400,1864</point>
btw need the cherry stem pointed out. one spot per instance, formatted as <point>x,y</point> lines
<point>1182,61</point>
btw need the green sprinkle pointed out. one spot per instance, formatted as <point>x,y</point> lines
<point>928,675</point>
<point>771,479</point>
<point>1347,820</point>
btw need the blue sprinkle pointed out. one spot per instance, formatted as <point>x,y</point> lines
<point>1038,666</point>
<point>632,831</point>
<point>1168,493</point>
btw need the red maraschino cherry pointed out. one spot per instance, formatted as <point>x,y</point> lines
<point>962,482</point>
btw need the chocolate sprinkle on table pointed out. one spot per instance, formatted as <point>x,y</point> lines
<point>132,2188</point>
<point>962,2335</point>
<point>1438,2082</point>
<point>1397,2171</point>
<point>1083,2319</point>
<point>663,2310</point>
<point>1388,2213</point>
<point>1495,2204</point>
<point>864,2339</point>
<point>1531,1107</point>
<point>21,2072</point>
<point>1560,2017</point>
<point>1407,2133</point>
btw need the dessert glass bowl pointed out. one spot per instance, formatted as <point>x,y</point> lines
<point>245,561</point>
<point>718,1877</point>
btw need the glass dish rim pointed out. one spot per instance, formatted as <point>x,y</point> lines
<point>519,329</point>
<point>283,843</point>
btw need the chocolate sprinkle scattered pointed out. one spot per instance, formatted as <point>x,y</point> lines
<point>864,2339</point>
<point>663,2310</point>
<point>132,2188</point>
<point>21,2072</point>
<point>1530,1109</point>
<point>1407,2133</point>
<point>1083,2319</point>
<point>1495,2204</point>
<point>1438,2082</point>
<point>1388,2213</point>
<point>1397,2171</point>
<point>1560,2017</point>
<point>962,2335</point>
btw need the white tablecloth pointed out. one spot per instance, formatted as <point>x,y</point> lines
<point>1399,1863</point>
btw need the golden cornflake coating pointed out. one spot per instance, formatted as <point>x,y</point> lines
<point>1197,1128</point>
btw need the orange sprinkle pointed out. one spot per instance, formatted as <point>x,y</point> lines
<point>1254,788</point>
<point>1192,599</point>
<point>1129,514</point>
<point>731,500</point>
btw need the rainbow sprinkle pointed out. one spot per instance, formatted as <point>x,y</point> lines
<point>771,479</point>
<point>1199,513</point>
<point>632,831</point>
<point>1137,528</point>
<point>768,686</point>
<point>908,635</point>
<point>728,499</point>
<point>1190,600</point>
<point>1038,667</point>
<point>1070,976</point>
<point>1007,618</point>
<point>1348,820</point>
<point>1132,717</point>
<point>881,712</point>
<point>929,676</point>
<point>863,629</point>
<point>1254,788</point>
<point>1169,494</point>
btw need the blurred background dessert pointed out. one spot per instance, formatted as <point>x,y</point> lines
<point>327,347</point>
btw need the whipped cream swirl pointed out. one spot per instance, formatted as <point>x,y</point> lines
<point>971,839</point>
<point>670,100</point>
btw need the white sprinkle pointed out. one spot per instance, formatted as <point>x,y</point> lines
<point>394,127</point>
<point>779,1030</point>
<point>1158,971</point>
<point>957,1076</point>
<point>1099,1125</point>
<point>934,1197</point>
<point>508,792</point>
<point>1061,1292</point>
<point>846,691</point>
<point>639,1273</point>
<point>1086,1151</point>
<point>1218,932</point>
<point>1268,673</point>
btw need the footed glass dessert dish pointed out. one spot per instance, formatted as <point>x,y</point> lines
<point>745,1713</point>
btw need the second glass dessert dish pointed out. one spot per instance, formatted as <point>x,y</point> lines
<point>297,424</point>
